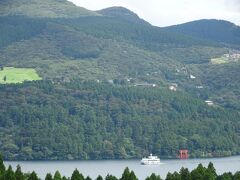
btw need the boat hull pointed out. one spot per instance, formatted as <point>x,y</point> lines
<point>150,163</point>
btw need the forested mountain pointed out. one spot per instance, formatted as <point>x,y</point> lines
<point>88,120</point>
<point>105,85</point>
<point>43,8</point>
<point>122,13</point>
<point>215,30</point>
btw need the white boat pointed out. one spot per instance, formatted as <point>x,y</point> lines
<point>150,160</point>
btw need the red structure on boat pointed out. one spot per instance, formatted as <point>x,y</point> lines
<point>183,154</point>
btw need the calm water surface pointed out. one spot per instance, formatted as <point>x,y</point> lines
<point>116,167</point>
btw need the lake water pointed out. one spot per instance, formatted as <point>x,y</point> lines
<point>116,167</point>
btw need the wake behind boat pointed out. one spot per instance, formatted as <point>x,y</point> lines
<point>150,160</point>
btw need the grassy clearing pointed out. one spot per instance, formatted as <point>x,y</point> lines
<point>18,75</point>
<point>221,60</point>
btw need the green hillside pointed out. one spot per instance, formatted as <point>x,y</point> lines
<point>215,30</point>
<point>87,120</point>
<point>60,50</point>
<point>105,84</point>
<point>43,8</point>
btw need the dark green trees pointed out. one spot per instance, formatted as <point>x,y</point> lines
<point>9,174</point>
<point>57,176</point>
<point>49,177</point>
<point>110,177</point>
<point>78,121</point>
<point>88,178</point>
<point>2,167</point>
<point>200,173</point>
<point>127,175</point>
<point>225,176</point>
<point>99,178</point>
<point>18,173</point>
<point>76,175</point>
<point>174,176</point>
<point>153,177</point>
<point>210,173</point>
<point>236,176</point>
<point>185,174</point>
<point>33,176</point>
<point>4,78</point>
<point>64,178</point>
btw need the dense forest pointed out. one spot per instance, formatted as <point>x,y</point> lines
<point>106,75</point>
<point>90,120</point>
<point>199,173</point>
<point>216,30</point>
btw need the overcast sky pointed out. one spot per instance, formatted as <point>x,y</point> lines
<point>169,12</point>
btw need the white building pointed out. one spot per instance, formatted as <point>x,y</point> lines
<point>172,88</point>
<point>192,76</point>
<point>210,103</point>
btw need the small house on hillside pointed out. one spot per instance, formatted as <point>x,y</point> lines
<point>145,85</point>
<point>192,76</point>
<point>210,103</point>
<point>172,88</point>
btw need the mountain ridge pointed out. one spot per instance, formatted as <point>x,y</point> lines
<point>212,29</point>
<point>43,8</point>
<point>122,13</point>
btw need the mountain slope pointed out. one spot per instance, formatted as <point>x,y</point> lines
<point>215,30</point>
<point>89,120</point>
<point>105,89</point>
<point>61,41</point>
<point>43,8</point>
<point>124,14</point>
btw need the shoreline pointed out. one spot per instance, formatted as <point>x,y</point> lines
<point>130,159</point>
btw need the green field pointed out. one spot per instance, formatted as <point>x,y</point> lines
<point>18,75</point>
<point>221,60</point>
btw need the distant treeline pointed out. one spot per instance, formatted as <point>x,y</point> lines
<point>199,173</point>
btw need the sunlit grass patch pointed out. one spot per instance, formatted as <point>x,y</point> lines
<point>221,60</point>
<point>10,75</point>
